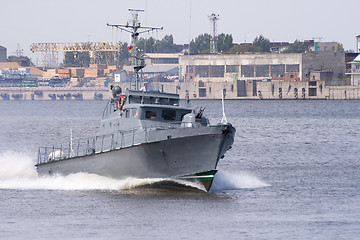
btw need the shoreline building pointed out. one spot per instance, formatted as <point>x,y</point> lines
<point>3,54</point>
<point>355,71</point>
<point>307,66</point>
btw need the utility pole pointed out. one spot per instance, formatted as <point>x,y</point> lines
<point>213,19</point>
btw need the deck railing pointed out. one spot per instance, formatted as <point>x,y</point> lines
<point>117,140</point>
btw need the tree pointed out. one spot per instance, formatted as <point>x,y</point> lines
<point>340,48</point>
<point>150,45</point>
<point>166,45</point>
<point>77,59</point>
<point>22,60</point>
<point>147,45</point>
<point>124,54</point>
<point>263,43</point>
<point>296,47</point>
<point>224,42</point>
<point>201,44</point>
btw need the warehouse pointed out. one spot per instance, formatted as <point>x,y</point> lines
<point>3,54</point>
<point>272,66</point>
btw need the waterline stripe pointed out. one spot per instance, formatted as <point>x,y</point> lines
<point>205,176</point>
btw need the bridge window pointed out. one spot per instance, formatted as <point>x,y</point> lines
<point>169,114</point>
<point>134,113</point>
<point>150,114</point>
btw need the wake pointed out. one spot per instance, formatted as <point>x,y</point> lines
<point>234,181</point>
<point>18,172</point>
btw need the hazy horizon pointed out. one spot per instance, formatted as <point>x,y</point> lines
<point>25,22</point>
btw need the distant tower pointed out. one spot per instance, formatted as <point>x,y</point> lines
<point>19,52</point>
<point>358,44</point>
<point>213,19</point>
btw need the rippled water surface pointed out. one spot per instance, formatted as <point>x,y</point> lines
<point>293,173</point>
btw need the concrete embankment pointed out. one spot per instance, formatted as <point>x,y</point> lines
<point>53,93</point>
<point>242,90</point>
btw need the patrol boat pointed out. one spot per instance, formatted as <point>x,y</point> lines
<point>145,134</point>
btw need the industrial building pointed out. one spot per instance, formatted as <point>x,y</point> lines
<point>355,71</point>
<point>3,54</point>
<point>287,67</point>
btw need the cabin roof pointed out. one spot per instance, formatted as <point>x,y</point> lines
<point>155,94</point>
<point>176,107</point>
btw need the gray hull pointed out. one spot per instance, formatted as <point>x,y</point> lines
<point>198,152</point>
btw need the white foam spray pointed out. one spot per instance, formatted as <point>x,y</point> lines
<point>18,172</point>
<point>232,181</point>
<point>16,165</point>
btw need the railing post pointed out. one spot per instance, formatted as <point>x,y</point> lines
<point>122,139</point>
<point>77,152</point>
<point>133,138</point>
<point>117,137</point>
<point>61,152</point>
<point>112,141</point>
<point>146,135</point>
<point>87,147</point>
<point>45,155</point>
<point>69,150</point>
<point>93,145</point>
<point>102,143</point>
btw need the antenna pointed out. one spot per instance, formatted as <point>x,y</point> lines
<point>135,29</point>
<point>19,51</point>
<point>213,19</point>
<point>319,38</point>
<point>223,120</point>
<point>71,144</point>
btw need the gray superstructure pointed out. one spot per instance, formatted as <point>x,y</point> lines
<point>146,134</point>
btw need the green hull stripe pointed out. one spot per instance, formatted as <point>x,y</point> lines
<point>202,176</point>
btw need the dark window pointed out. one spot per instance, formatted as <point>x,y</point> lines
<point>292,68</point>
<point>150,114</point>
<point>232,68</point>
<point>312,83</point>
<point>247,70</point>
<point>165,60</point>
<point>278,70</point>
<point>217,71</point>
<point>190,69</point>
<point>202,70</point>
<point>127,113</point>
<point>262,70</point>
<point>202,92</point>
<point>169,114</point>
<point>312,92</point>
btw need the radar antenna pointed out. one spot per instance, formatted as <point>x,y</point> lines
<point>135,29</point>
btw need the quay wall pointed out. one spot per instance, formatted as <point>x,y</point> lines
<point>251,89</point>
<point>53,93</point>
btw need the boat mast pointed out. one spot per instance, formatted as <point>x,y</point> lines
<point>135,29</point>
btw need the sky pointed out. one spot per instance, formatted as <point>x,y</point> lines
<point>23,22</point>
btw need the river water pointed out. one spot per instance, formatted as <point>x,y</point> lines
<point>293,173</point>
